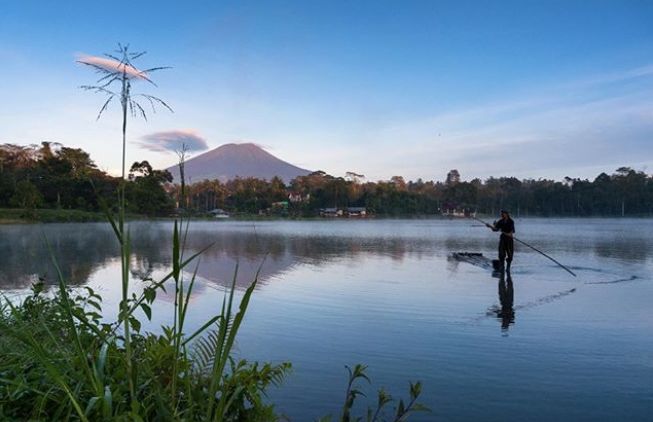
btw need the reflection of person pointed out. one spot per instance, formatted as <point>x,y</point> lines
<point>506,298</point>
<point>506,241</point>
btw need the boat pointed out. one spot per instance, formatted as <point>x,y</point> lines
<point>477,259</point>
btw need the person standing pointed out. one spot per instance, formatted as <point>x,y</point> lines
<point>506,242</point>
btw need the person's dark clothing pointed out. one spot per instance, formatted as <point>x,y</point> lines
<point>506,242</point>
<point>506,248</point>
<point>506,226</point>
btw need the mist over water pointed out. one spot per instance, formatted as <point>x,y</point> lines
<point>540,346</point>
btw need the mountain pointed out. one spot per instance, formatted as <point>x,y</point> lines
<point>237,160</point>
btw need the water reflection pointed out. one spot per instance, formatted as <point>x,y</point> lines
<point>626,249</point>
<point>507,299</point>
<point>24,255</point>
<point>80,250</point>
<point>83,249</point>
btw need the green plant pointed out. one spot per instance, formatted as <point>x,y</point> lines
<point>376,414</point>
<point>61,361</point>
<point>27,196</point>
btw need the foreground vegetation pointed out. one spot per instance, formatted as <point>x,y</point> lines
<point>61,361</point>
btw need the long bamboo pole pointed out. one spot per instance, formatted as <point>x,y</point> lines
<point>532,247</point>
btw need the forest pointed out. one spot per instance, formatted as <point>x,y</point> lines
<point>626,192</point>
<point>52,176</point>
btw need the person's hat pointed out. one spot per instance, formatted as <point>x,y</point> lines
<point>504,212</point>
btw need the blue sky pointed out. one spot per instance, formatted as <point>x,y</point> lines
<point>525,88</point>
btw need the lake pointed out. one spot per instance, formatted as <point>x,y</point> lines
<point>387,293</point>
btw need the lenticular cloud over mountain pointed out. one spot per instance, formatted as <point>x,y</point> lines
<point>174,140</point>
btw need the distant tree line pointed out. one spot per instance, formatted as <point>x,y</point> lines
<point>51,175</point>
<point>624,193</point>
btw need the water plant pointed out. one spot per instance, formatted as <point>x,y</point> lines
<point>400,412</point>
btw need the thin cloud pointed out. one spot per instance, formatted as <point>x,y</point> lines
<point>173,140</point>
<point>623,75</point>
<point>555,132</point>
<point>112,66</point>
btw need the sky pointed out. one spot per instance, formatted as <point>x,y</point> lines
<point>532,89</point>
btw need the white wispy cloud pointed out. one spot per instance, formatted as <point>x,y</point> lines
<point>601,120</point>
<point>623,75</point>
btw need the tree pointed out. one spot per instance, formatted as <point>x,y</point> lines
<point>79,161</point>
<point>453,177</point>
<point>277,191</point>
<point>146,194</point>
<point>399,182</point>
<point>354,177</point>
<point>27,196</point>
<point>181,155</point>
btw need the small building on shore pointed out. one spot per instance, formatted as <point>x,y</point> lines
<point>296,197</point>
<point>357,212</point>
<point>331,212</point>
<point>458,212</point>
<point>219,213</point>
<point>349,212</point>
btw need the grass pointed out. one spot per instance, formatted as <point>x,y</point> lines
<point>17,215</point>
<point>47,215</point>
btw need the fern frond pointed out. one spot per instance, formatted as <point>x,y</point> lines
<point>203,352</point>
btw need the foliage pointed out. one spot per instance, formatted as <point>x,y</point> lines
<point>626,192</point>
<point>63,177</point>
<point>57,177</point>
<point>67,178</point>
<point>145,194</point>
<point>62,361</point>
<point>27,196</point>
<point>400,412</point>
<point>15,215</point>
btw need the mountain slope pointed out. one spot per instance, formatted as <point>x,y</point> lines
<point>237,160</point>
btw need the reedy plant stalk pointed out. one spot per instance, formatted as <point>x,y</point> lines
<point>181,300</point>
<point>181,303</point>
<point>124,244</point>
<point>121,70</point>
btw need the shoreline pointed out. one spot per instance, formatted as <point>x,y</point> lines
<point>22,216</point>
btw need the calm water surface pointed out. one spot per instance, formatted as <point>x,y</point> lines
<point>541,346</point>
